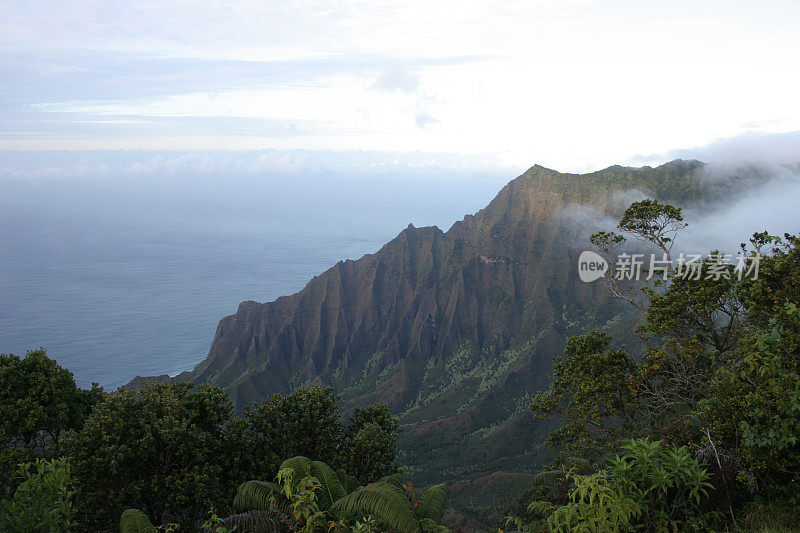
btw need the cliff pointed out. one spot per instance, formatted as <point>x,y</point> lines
<point>453,330</point>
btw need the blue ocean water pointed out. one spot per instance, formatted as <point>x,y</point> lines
<point>123,277</point>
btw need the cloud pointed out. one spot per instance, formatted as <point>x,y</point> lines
<point>561,83</point>
<point>772,209</point>
<point>423,118</point>
<point>54,76</point>
<point>764,149</point>
<point>751,196</point>
<point>748,148</point>
<point>251,29</point>
<point>132,164</point>
<point>396,78</point>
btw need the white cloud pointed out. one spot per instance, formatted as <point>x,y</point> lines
<point>396,78</point>
<point>128,164</point>
<point>573,85</point>
<point>423,119</point>
<point>772,150</point>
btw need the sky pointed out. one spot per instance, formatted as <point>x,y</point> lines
<point>574,85</point>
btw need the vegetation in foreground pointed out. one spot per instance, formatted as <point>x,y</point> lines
<point>74,460</point>
<point>310,496</point>
<point>701,430</point>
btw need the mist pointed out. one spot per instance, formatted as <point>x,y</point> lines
<point>771,207</point>
<point>755,176</point>
<point>767,203</point>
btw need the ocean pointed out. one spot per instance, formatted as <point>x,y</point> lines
<point>118,277</point>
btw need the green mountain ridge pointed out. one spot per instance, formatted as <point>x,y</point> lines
<point>454,330</point>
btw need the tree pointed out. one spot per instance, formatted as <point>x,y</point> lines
<point>592,391</point>
<point>308,422</point>
<point>690,332</point>
<point>704,308</point>
<point>654,222</point>
<point>648,221</point>
<point>719,373</point>
<point>160,449</point>
<point>370,450</point>
<point>39,403</point>
<point>753,407</point>
<point>304,422</point>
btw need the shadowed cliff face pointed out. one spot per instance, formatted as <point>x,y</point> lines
<point>496,275</point>
<point>454,331</point>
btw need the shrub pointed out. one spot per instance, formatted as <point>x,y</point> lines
<point>650,487</point>
<point>42,502</point>
<point>159,449</point>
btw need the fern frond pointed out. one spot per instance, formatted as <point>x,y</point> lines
<point>255,522</point>
<point>135,521</point>
<point>259,496</point>
<point>330,489</point>
<point>393,479</point>
<point>349,481</point>
<point>299,464</point>
<point>381,500</point>
<point>433,503</point>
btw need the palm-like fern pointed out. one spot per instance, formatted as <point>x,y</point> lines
<point>339,495</point>
<point>301,466</point>
<point>135,521</point>
<point>331,488</point>
<point>393,479</point>
<point>432,504</point>
<point>260,496</point>
<point>254,522</point>
<point>382,500</point>
<point>349,482</point>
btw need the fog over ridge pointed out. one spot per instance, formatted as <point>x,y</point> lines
<point>758,179</point>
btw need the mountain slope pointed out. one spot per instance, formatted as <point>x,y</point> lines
<point>453,330</point>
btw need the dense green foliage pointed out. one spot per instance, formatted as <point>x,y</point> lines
<point>666,483</point>
<point>39,402</point>
<point>370,450</point>
<point>595,504</point>
<point>42,500</point>
<point>718,381</point>
<point>592,389</point>
<point>171,451</point>
<point>650,487</point>
<point>309,496</point>
<point>161,449</point>
<point>308,422</point>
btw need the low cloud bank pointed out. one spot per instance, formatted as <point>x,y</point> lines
<point>771,162</point>
<point>771,207</point>
<point>223,164</point>
<point>761,173</point>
